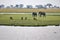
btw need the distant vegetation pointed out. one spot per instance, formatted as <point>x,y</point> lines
<point>49,5</point>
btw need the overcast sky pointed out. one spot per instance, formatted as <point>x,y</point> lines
<point>30,2</point>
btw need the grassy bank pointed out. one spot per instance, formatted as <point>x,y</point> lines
<point>50,19</point>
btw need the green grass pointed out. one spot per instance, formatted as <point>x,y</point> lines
<point>50,19</point>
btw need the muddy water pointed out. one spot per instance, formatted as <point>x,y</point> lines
<point>29,33</point>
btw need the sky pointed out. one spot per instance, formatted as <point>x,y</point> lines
<point>30,2</point>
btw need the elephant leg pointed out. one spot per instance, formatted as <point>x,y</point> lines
<point>44,15</point>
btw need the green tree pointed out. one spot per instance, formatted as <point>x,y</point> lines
<point>49,5</point>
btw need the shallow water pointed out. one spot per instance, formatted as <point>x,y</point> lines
<point>29,33</point>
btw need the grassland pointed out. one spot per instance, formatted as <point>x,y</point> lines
<point>25,10</point>
<point>50,19</point>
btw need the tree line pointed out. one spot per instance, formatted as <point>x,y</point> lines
<point>49,5</point>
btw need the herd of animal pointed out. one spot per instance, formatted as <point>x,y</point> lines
<point>34,14</point>
<point>39,13</point>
